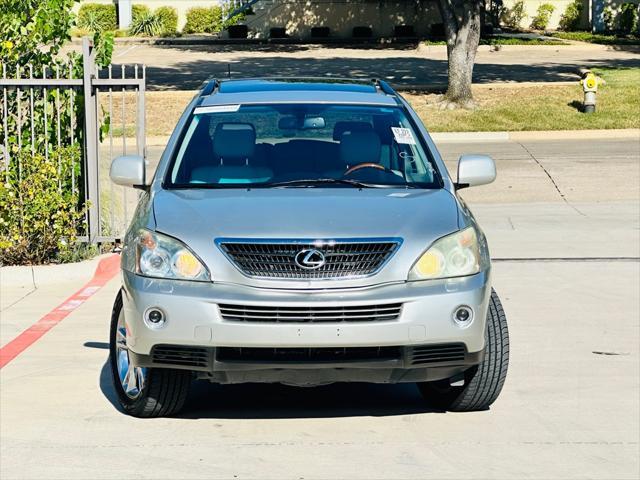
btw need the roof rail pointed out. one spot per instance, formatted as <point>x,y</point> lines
<point>209,87</point>
<point>385,87</point>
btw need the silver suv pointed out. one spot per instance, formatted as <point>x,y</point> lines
<point>304,232</point>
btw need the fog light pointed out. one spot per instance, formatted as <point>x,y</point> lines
<point>154,318</point>
<point>463,316</point>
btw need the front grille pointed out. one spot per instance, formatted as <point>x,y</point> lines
<point>358,313</point>
<point>180,356</point>
<point>308,355</point>
<point>425,354</point>
<point>276,259</point>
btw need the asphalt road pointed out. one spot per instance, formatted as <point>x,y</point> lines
<point>180,67</point>
<point>570,407</point>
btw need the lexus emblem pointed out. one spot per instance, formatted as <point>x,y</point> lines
<point>310,259</point>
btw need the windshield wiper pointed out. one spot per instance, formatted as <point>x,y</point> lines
<point>312,182</point>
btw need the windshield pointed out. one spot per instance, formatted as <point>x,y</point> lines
<point>301,145</point>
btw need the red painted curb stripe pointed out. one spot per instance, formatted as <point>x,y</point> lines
<point>107,268</point>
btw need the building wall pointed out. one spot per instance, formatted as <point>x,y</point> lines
<point>299,16</point>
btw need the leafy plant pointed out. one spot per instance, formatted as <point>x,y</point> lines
<point>40,217</point>
<point>514,16</point>
<point>97,17</point>
<point>40,213</point>
<point>608,18</point>
<point>138,10</point>
<point>34,31</point>
<point>169,20</point>
<point>628,18</point>
<point>204,20</point>
<point>147,23</point>
<point>570,19</point>
<point>542,17</point>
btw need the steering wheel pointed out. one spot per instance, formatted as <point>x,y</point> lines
<point>355,168</point>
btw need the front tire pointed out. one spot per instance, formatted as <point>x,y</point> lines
<point>142,392</point>
<point>483,382</point>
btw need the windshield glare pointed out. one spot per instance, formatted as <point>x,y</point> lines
<point>300,145</point>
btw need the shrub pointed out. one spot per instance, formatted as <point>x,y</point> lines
<point>137,11</point>
<point>608,18</point>
<point>203,20</point>
<point>169,20</point>
<point>570,19</point>
<point>39,215</point>
<point>97,17</point>
<point>628,18</point>
<point>543,15</point>
<point>514,16</point>
<point>146,23</point>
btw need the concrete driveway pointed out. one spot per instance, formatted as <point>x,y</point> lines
<point>570,407</point>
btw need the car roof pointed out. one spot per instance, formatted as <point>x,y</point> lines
<point>305,90</point>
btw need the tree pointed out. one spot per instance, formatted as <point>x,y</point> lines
<point>462,29</point>
<point>34,31</point>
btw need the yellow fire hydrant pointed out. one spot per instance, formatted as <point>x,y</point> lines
<point>589,84</point>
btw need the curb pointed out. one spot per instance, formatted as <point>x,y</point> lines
<point>420,46</point>
<point>423,48</point>
<point>107,268</point>
<point>34,276</point>
<point>613,134</point>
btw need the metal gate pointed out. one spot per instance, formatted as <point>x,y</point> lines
<point>109,122</point>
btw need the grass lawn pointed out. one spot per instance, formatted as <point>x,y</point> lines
<point>598,38</point>
<point>518,108</point>
<point>500,108</point>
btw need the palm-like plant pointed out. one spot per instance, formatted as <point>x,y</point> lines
<point>148,24</point>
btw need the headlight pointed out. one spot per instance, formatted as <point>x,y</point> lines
<point>455,255</point>
<point>161,256</point>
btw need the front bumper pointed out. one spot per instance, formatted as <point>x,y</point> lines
<point>194,319</point>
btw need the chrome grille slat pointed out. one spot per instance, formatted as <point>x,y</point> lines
<point>276,258</point>
<point>357,313</point>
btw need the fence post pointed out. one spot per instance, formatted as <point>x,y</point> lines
<point>92,193</point>
<point>140,120</point>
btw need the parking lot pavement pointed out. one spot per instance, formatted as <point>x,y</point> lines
<point>570,407</point>
<point>184,67</point>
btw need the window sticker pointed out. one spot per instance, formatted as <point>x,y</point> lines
<point>217,109</point>
<point>403,135</point>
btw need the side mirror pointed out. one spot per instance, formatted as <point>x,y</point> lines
<point>128,171</point>
<point>475,170</point>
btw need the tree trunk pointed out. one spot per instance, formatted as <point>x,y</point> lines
<point>462,28</point>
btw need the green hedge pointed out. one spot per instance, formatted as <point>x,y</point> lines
<point>203,20</point>
<point>628,18</point>
<point>169,19</point>
<point>138,11</point>
<point>570,19</point>
<point>542,17</point>
<point>97,17</point>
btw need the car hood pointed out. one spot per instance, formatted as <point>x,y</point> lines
<point>200,216</point>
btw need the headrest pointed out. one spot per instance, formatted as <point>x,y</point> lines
<point>360,147</point>
<point>234,140</point>
<point>341,127</point>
